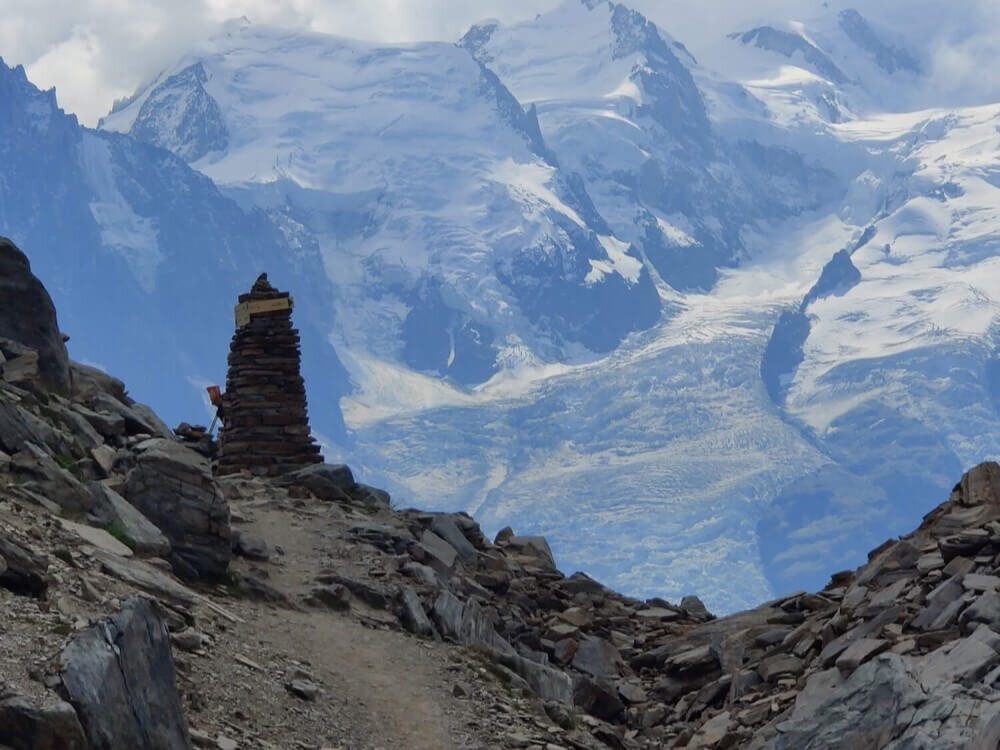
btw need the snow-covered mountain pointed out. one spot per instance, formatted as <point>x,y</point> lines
<point>618,104</point>
<point>455,242</point>
<point>717,325</point>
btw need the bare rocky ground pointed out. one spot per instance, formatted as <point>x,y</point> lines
<point>376,686</point>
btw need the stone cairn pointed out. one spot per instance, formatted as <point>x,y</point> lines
<point>265,423</point>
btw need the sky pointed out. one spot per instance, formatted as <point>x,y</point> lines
<point>96,51</point>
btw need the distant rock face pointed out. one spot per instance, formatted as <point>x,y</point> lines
<point>173,487</point>
<point>522,266</point>
<point>28,316</point>
<point>643,144</point>
<point>887,56</point>
<point>784,349</point>
<point>789,44</point>
<point>119,676</point>
<point>182,117</point>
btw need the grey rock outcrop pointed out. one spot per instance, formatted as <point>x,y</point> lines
<point>146,578</point>
<point>173,487</point>
<point>119,676</point>
<point>89,381</point>
<point>980,486</point>
<point>138,418</point>
<point>413,616</point>
<point>28,316</point>
<point>446,528</point>
<point>532,551</point>
<point>18,363</point>
<point>903,653</point>
<point>49,479</point>
<point>886,703</point>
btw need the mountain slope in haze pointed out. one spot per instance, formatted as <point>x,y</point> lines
<point>455,243</point>
<point>110,217</point>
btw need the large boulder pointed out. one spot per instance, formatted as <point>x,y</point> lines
<point>22,570</point>
<point>174,488</point>
<point>119,676</point>
<point>25,726</point>
<point>980,485</point>
<point>329,482</point>
<point>139,418</point>
<point>533,552</point>
<point>89,381</point>
<point>28,316</point>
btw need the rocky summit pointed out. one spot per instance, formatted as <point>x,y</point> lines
<point>146,601</point>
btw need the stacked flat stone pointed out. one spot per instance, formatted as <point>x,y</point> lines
<point>265,423</point>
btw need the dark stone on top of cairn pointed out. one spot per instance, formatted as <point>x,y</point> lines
<point>265,424</point>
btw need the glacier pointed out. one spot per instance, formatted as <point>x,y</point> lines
<point>714,320</point>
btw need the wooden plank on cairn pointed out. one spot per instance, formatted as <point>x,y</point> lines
<point>266,424</point>
<point>246,310</point>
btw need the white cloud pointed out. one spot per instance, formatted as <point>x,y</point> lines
<point>94,51</point>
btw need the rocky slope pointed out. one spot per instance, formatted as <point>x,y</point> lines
<point>307,611</point>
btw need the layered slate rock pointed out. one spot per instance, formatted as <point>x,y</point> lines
<point>40,472</point>
<point>27,315</point>
<point>119,675</point>
<point>265,424</point>
<point>173,487</point>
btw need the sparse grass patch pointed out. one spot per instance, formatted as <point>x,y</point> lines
<point>68,463</point>
<point>118,532</point>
